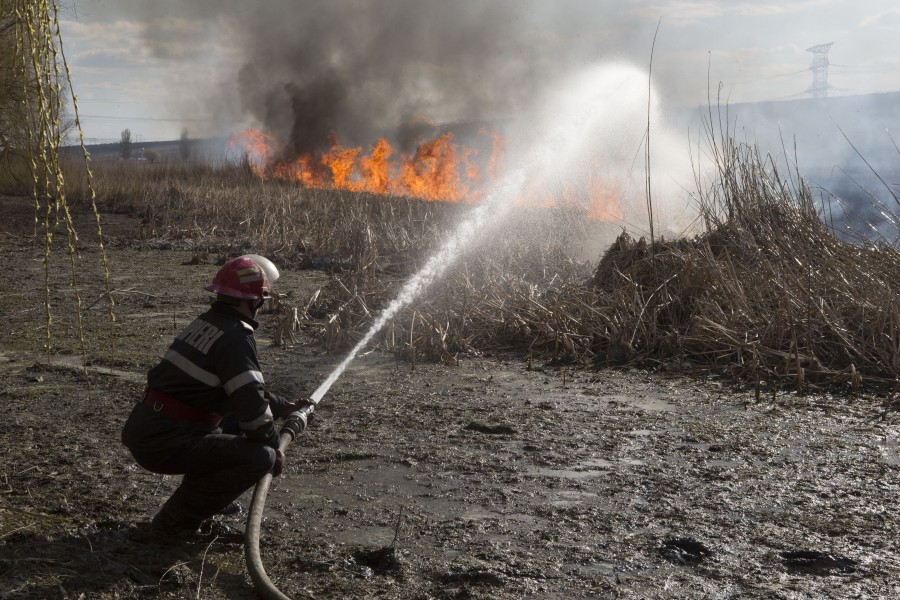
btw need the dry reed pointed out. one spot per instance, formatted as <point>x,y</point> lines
<point>767,293</point>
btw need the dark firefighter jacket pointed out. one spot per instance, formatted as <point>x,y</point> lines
<point>213,366</point>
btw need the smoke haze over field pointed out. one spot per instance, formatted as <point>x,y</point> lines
<point>363,68</point>
<point>359,69</point>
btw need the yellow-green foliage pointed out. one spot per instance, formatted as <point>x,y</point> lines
<point>32,125</point>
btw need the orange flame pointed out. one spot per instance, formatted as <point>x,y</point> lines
<point>343,162</point>
<point>376,168</point>
<point>433,173</point>
<point>256,146</point>
<point>440,169</point>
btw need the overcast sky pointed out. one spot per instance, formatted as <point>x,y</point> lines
<point>216,67</point>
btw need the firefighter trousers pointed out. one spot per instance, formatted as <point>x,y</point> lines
<point>217,468</point>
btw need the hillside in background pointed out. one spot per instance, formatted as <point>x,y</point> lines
<point>213,150</point>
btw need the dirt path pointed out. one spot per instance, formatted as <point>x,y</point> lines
<point>485,479</point>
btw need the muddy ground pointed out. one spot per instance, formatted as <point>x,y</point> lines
<point>486,479</point>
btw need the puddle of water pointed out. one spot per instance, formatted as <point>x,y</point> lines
<point>365,535</point>
<point>890,451</point>
<point>602,402</point>
<point>599,568</point>
<point>593,467</point>
<point>9,365</point>
<point>567,498</point>
<point>647,403</point>
<point>375,472</point>
<point>641,432</point>
<point>75,362</point>
<point>479,513</point>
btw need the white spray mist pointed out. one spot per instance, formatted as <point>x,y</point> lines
<point>492,209</point>
<point>602,108</point>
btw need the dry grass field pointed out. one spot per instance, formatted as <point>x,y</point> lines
<point>766,293</point>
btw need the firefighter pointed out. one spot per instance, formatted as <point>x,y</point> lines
<point>211,371</point>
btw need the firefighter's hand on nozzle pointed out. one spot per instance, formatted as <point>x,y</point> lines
<point>278,467</point>
<point>300,404</point>
<point>294,406</point>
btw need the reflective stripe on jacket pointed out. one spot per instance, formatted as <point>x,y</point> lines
<point>213,366</point>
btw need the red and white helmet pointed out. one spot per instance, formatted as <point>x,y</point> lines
<point>247,277</point>
<point>266,265</point>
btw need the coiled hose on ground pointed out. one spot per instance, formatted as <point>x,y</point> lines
<point>293,426</point>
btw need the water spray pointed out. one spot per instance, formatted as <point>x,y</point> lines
<point>584,113</point>
<point>592,103</point>
<point>434,268</point>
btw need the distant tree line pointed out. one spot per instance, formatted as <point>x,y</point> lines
<point>126,145</point>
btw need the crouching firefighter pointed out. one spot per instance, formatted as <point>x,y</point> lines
<point>210,372</point>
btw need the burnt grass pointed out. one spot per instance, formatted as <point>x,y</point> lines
<point>490,478</point>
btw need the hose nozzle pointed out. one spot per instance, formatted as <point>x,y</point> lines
<point>295,423</point>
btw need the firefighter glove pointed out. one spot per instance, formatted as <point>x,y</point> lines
<point>279,463</point>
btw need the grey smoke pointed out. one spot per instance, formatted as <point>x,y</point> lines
<point>363,69</point>
<point>406,69</point>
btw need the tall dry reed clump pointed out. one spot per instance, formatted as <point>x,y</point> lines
<point>768,292</point>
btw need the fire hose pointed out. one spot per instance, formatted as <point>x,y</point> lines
<point>293,426</point>
<point>296,422</point>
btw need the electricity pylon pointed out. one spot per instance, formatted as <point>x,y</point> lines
<point>819,68</point>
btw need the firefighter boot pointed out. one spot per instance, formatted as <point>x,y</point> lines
<point>166,528</point>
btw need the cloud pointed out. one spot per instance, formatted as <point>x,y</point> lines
<point>120,42</point>
<point>165,39</point>
<point>681,13</point>
<point>887,19</point>
<point>178,39</point>
<point>777,9</point>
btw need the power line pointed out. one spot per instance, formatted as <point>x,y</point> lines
<point>82,101</point>
<point>124,119</point>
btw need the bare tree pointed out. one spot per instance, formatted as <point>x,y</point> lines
<point>30,93</point>
<point>13,86</point>
<point>184,145</point>
<point>125,144</point>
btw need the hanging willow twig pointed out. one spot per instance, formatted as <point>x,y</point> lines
<point>43,72</point>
